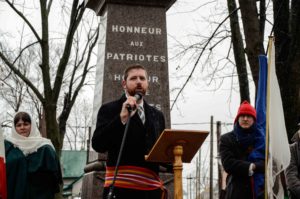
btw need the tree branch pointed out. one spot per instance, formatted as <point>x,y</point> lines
<point>76,16</point>
<point>20,75</point>
<point>198,59</point>
<point>25,19</point>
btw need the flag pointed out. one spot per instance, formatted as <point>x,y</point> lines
<point>277,141</point>
<point>3,194</point>
<point>258,153</point>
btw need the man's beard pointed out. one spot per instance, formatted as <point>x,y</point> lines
<point>132,92</point>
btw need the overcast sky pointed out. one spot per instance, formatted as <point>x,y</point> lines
<point>186,21</point>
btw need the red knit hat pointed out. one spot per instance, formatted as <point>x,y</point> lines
<point>245,109</point>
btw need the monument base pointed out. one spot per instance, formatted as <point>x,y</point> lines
<point>168,179</point>
<point>92,185</point>
<point>93,180</point>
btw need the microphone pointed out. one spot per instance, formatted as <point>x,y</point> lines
<point>138,96</point>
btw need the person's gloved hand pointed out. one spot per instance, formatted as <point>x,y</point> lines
<point>259,166</point>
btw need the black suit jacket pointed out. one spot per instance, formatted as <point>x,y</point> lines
<point>140,138</point>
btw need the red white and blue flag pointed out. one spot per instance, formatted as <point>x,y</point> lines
<point>3,193</point>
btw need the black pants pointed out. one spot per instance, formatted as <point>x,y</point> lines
<point>122,193</point>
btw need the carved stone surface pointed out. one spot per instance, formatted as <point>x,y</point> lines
<point>131,31</point>
<point>132,34</point>
<point>99,5</point>
<point>168,179</point>
<point>92,184</point>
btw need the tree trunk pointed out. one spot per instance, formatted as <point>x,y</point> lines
<point>52,126</point>
<point>287,46</point>
<point>238,50</point>
<point>253,39</point>
<point>42,124</point>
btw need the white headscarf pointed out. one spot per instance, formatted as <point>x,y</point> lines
<point>31,143</point>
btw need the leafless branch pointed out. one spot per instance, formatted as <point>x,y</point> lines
<point>200,55</point>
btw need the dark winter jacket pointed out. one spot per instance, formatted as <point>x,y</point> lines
<point>36,175</point>
<point>140,139</point>
<point>234,161</point>
<point>293,170</point>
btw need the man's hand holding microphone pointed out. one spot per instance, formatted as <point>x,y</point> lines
<point>129,107</point>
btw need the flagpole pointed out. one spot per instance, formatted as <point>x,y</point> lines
<point>270,48</point>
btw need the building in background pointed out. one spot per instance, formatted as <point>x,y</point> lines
<point>73,163</point>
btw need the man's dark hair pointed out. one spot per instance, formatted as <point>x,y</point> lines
<point>131,67</point>
<point>25,117</point>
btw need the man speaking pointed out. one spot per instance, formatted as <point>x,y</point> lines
<point>128,175</point>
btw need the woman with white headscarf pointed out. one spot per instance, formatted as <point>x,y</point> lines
<point>32,167</point>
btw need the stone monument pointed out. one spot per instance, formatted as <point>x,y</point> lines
<point>131,31</point>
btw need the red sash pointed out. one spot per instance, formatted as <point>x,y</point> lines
<point>134,177</point>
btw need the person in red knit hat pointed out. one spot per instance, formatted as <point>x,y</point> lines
<point>245,109</point>
<point>237,149</point>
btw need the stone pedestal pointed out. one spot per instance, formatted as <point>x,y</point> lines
<point>93,180</point>
<point>92,184</point>
<point>131,31</point>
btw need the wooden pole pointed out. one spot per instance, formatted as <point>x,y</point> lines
<point>177,168</point>
<point>219,158</point>
<point>211,157</point>
<point>199,175</point>
<point>267,120</point>
<point>196,178</point>
<point>88,145</point>
<point>187,187</point>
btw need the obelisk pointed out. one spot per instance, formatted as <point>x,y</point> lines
<point>131,31</point>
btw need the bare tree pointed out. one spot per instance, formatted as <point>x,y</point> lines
<point>78,125</point>
<point>62,63</point>
<point>248,34</point>
<point>238,51</point>
<point>287,45</point>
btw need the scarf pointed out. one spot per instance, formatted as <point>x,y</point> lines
<point>245,137</point>
<point>253,140</point>
<point>31,143</point>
